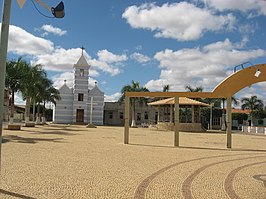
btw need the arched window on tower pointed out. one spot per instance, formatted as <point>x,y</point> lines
<point>81,72</point>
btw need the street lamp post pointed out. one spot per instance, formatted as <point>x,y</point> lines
<point>3,52</point>
<point>58,12</point>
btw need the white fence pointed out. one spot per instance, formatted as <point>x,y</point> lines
<point>254,129</point>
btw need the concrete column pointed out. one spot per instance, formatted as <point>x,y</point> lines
<point>228,121</point>
<point>171,113</point>
<point>210,117</point>
<point>126,130</point>
<point>193,113</point>
<point>176,137</point>
<point>159,110</point>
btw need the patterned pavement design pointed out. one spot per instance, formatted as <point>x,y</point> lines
<point>71,161</point>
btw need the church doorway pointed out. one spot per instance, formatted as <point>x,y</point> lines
<point>80,116</point>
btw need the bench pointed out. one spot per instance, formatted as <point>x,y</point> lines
<point>14,127</point>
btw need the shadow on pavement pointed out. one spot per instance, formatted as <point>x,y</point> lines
<point>53,133</point>
<point>18,139</point>
<point>2,191</point>
<point>200,148</point>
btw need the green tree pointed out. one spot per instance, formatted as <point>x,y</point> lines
<point>31,85</point>
<point>252,103</point>
<point>134,87</point>
<point>166,88</point>
<point>50,94</point>
<point>196,89</point>
<point>13,81</point>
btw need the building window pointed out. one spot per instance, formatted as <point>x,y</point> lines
<point>138,116</point>
<point>80,97</point>
<point>110,115</point>
<point>82,72</point>
<point>146,115</point>
<point>260,122</point>
<point>121,115</point>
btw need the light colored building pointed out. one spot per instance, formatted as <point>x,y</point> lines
<point>75,104</point>
<point>114,114</point>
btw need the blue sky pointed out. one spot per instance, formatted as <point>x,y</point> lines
<point>196,42</point>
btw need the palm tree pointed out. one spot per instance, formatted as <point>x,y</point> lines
<point>135,87</point>
<point>196,89</point>
<point>31,83</point>
<point>13,81</point>
<point>50,94</point>
<point>253,104</point>
<point>166,88</point>
<point>41,85</point>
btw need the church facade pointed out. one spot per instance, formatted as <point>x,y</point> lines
<point>79,105</point>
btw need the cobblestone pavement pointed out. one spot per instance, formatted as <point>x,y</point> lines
<point>69,161</point>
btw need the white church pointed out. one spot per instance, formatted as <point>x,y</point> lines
<point>79,105</point>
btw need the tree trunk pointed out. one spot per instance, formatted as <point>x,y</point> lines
<point>12,108</point>
<point>43,116</point>
<point>38,119</point>
<point>33,111</point>
<point>27,110</point>
<point>133,123</point>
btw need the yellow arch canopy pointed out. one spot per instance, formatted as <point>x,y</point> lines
<point>239,80</point>
<point>227,88</point>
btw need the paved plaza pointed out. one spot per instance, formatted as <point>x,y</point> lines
<point>70,161</point>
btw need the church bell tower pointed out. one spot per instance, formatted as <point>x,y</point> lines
<point>80,90</point>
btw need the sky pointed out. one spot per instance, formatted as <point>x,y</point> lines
<point>156,43</point>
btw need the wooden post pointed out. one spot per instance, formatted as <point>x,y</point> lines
<point>176,137</point>
<point>126,130</point>
<point>228,121</point>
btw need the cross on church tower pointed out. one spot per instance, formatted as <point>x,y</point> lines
<point>82,48</point>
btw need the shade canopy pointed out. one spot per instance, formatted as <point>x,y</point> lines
<point>182,101</point>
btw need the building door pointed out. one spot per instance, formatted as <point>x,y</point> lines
<point>80,116</point>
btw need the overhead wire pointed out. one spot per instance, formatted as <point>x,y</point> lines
<point>40,11</point>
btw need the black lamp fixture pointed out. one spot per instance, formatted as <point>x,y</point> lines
<point>58,11</point>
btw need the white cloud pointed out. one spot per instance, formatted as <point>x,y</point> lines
<point>112,98</point>
<point>157,85</point>
<point>22,42</point>
<point>140,57</point>
<point>59,79</point>
<point>206,66</point>
<point>109,57</point>
<point>109,68</point>
<point>244,5</point>
<point>109,62</point>
<point>50,29</point>
<point>180,21</point>
<point>18,99</point>
<point>63,60</point>
<point>42,51</point>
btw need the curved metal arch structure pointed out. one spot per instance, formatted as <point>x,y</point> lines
<point>226,89</point>
<point>239,80</point>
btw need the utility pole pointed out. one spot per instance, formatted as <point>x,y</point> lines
<point>3,52</point>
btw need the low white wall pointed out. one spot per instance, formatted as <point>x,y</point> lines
<point>254,129</point>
